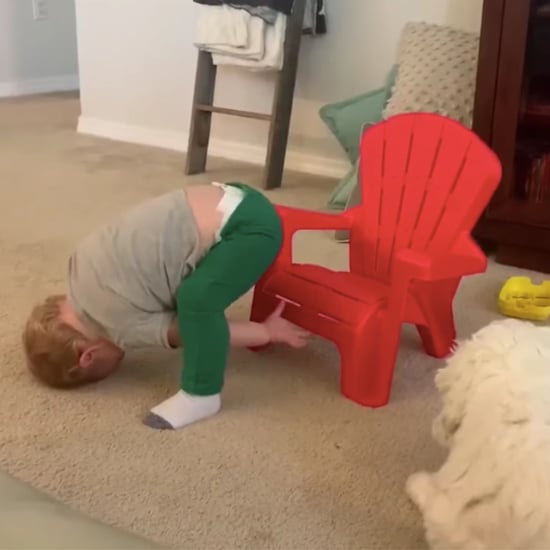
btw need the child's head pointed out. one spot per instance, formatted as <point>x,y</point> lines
<point>61,355</point>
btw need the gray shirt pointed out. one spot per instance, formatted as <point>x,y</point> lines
<point>123,278</point>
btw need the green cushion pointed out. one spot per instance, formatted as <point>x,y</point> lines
<point>339,197</point>
<point>347,118</point>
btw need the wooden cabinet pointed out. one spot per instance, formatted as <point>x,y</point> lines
<point>512,114</point>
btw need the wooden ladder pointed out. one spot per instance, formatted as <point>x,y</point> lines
<point>279,119</point>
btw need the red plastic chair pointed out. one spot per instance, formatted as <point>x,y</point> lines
<point>425,180</point>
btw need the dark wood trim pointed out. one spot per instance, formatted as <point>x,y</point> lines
<point>487,69</point>
<point>201,119</point>
<point>514,234</point>
<point>283,100</point>
<point>517,230</point>
<point>524,257</point>
<point>507,99</point>
<point>279,119</point>
<point>521,212</point>
<point>234,112</point>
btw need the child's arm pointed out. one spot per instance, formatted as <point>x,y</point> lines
<point>242,334</point>
<point>246,334</point>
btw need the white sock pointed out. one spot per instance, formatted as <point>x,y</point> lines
<point>181,410</point>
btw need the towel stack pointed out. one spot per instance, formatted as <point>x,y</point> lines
<point>251,33</point>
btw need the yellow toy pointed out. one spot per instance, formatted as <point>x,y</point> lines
<point>521,298</point>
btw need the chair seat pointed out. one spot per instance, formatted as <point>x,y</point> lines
<point>326,291</point>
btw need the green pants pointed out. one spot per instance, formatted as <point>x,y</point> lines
<point>250,242</point>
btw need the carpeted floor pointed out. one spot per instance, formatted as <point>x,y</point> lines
<point>289,464</point>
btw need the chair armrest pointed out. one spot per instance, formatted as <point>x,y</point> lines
<point>466,258</point>
<point>466,247</point>
<point>297,219</point>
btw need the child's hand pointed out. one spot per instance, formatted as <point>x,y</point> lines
<point>282,331</point>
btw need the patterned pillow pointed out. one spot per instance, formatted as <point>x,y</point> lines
<point>437,72</point>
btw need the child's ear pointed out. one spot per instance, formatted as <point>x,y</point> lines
<point>87,356</point>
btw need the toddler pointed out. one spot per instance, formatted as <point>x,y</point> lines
<point>163,275</point>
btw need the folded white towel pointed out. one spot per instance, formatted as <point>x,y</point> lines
<point>221,25</point>
<point>273,56</point>
<point>230,31</point>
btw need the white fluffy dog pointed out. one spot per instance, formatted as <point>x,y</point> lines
<point>493,492</point>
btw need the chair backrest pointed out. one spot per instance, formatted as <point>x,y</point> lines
<point>424,179</point>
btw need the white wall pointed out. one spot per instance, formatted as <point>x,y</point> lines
<point>137,69</point>
<point>37,56</point>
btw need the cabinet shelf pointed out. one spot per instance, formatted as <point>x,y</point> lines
<point>536,116</point>
<point>522,212</point>
<point>543,12</point>
<point>535,102</point>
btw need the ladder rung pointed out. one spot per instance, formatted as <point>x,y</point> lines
<point>233,112</point>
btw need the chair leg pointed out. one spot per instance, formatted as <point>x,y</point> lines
<point>438,334</point>
<point>262,304</point>
<point>367,368</point>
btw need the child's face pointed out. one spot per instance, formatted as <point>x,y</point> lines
<point>99,359</point>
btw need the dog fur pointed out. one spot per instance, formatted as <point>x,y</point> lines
<point>493,491</point>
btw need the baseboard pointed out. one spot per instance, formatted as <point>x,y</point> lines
<point>32,86</point>
<point>233,150</point>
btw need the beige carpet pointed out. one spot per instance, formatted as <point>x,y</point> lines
<point>289,464</point>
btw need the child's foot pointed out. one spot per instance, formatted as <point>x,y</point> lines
<point>181,410</point>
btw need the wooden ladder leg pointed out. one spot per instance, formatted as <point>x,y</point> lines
<point>201,120</point>
<point>283,99</point>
